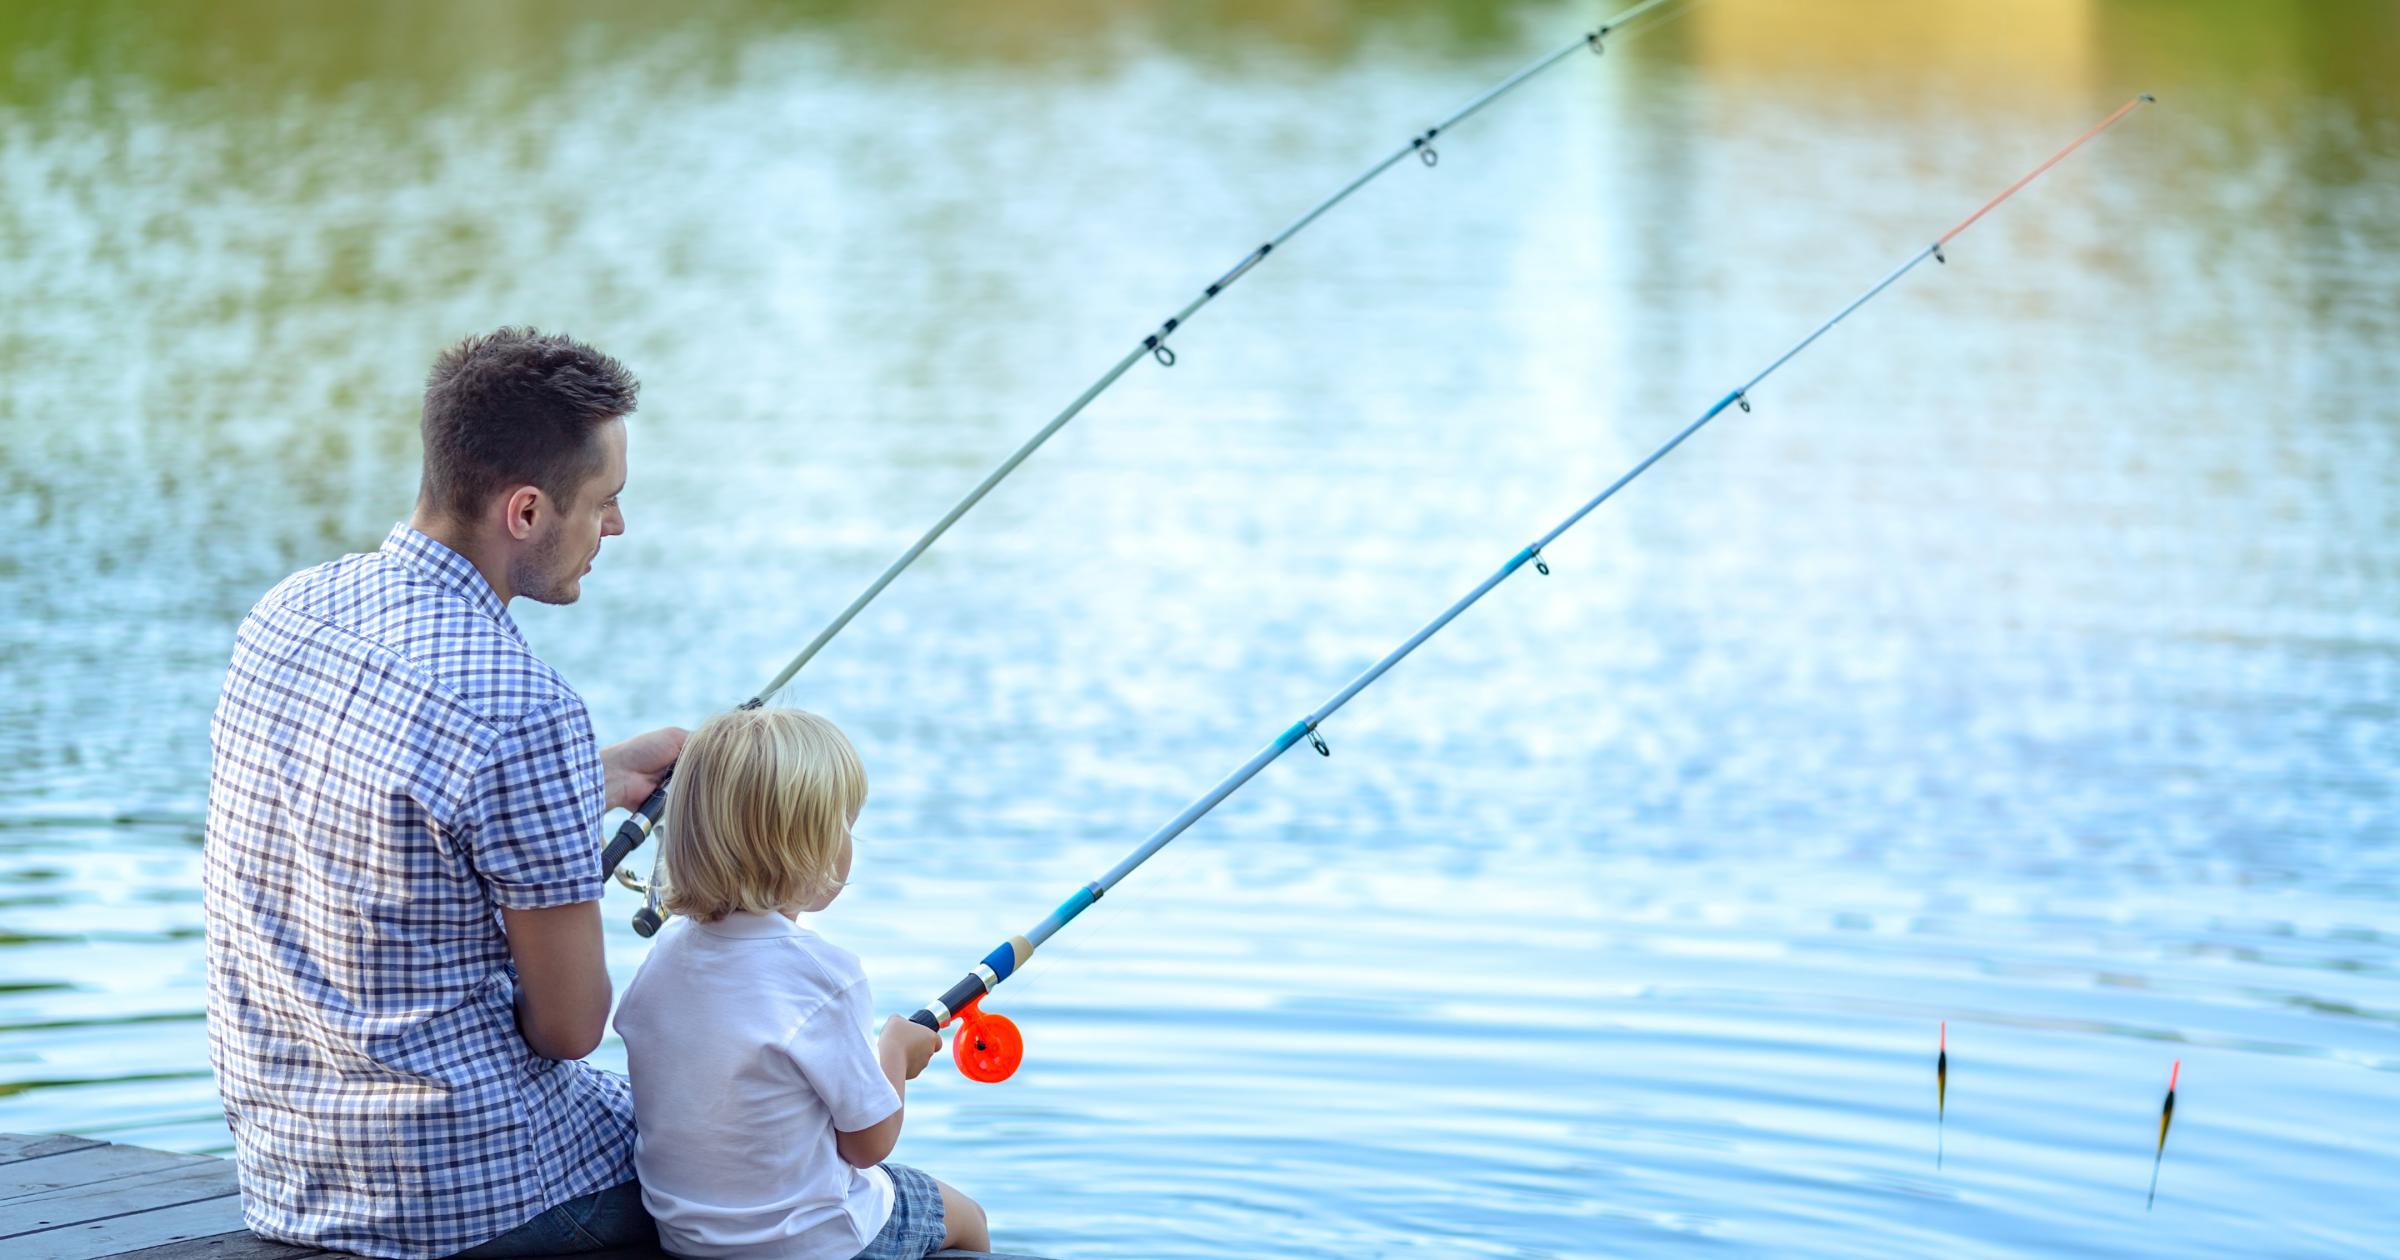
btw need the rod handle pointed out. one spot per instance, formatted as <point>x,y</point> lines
<point>634,830</point>
<point>946,1008</point>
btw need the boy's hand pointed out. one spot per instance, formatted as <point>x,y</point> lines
<point>910,1041</point>
<point>635,766</point>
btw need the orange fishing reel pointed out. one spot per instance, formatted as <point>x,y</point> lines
<point>986,1047</point>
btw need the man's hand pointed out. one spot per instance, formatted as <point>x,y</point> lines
<point>636,766</point>
<point>908,1042</point>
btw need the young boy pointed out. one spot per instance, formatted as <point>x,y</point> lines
<point>761,1116</point>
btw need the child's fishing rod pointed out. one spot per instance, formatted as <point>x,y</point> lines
<point>990,1048</point>
<point>637,828</point>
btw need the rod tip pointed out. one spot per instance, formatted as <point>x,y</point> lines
<point>2147,99</point>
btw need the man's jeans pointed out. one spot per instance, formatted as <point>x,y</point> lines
<point>598,1221</point>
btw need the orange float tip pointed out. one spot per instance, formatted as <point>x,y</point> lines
<point>2172,1074</point>
<point>1945,1034</point>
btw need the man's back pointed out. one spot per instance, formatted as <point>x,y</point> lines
<point>391,765</point>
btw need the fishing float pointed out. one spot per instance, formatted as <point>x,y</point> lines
<point>990,1047</point>
<point>637,827</point>
<point>1941,1091</point>
<point>2166,1116</point>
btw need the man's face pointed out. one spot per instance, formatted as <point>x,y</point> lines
<point>567,538</point>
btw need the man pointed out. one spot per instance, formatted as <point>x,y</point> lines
<point>403,878</point>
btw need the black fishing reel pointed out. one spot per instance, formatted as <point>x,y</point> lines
<point>652,916</point>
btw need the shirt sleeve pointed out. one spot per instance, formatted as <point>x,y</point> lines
<point>534,810</point>
<point>832,1051</point>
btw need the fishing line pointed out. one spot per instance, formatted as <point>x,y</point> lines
<point>1154,346</point>
<point>989,1046</point>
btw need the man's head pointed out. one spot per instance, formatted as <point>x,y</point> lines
<point>525,454</point>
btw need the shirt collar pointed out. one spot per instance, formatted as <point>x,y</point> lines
<point>746,925</point>
<point>430,557</point>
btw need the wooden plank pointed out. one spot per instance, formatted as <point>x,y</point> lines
<point>72,1198</point>
<point>239,1245</point>
<point>92,1165</point>
<point>134,1231</point>
<point>74,1205</point>
<point>16,1146</point>
<point>651,1253</point>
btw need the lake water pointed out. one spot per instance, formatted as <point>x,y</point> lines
<point>2028,661</point>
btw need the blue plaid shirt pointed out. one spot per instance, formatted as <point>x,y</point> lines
<point>392,765</point>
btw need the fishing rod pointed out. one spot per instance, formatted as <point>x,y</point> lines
<point>990,1047</point>
<point>637,828</point>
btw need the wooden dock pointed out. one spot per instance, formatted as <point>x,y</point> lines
<point>78,1198</point>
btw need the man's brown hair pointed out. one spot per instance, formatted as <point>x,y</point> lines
<point>516,407</point>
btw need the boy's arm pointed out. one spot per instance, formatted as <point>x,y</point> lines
<point>902,1052</point>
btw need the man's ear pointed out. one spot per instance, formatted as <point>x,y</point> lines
<point>519,510</point>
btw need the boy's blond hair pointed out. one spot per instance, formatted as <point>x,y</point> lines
<point>761,803</point>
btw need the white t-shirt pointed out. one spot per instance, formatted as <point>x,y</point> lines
<point>746,1042</point>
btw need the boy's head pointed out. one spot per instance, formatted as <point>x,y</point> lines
<point>760,816</point>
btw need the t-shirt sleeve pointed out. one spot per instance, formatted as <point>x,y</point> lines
<point>833,1053</point>
<point>533,810</point>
